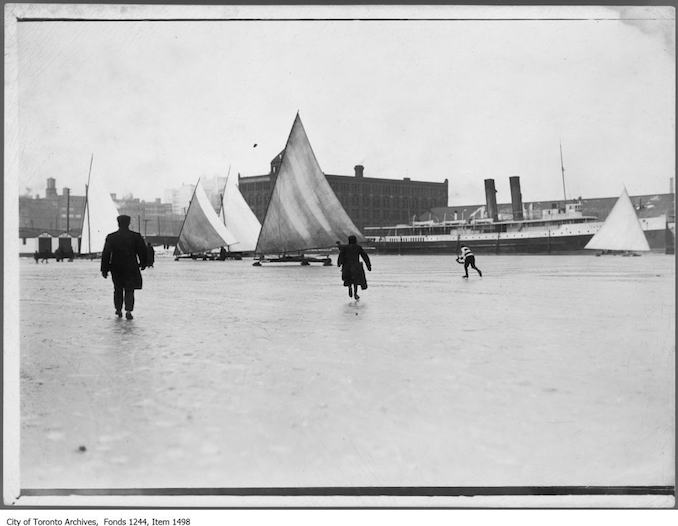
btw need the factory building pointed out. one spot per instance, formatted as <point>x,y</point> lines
<point>52,214</point>
<point>369,201</point>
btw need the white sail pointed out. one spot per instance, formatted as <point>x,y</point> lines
<point>238,217</point>
<point>202,230</point>
<point>303,211</point>
<point>621,230</point>
<point>100,217</point>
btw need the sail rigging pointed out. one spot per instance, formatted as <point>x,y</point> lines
<point>99,217</point>
<point>202,230</point>
<point>238,217</point>
<point>621,229</point>
<point>303,212</point>
<point>221,213</point>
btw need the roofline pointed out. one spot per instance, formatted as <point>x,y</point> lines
<point>249,178</point>
<point>387,180</point>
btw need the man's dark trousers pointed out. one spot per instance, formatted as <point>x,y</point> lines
<point>122,293</point>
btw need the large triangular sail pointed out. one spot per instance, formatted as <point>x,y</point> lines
<point>621,229</point>
<point>202,230</point>
<point>238,217</point>
<point>99,218</point>
<point>303,212</point>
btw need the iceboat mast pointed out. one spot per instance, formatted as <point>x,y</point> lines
<point>176,248</point>
<point>86,210</point>
<point>222,212</point>
<point>270,195</point>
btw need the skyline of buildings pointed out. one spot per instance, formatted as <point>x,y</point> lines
<point>368,201</point>
<point>55,212</point>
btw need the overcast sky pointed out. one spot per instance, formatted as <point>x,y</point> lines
<point>163,103</point>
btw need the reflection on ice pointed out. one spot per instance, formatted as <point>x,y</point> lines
<point>547,371</point>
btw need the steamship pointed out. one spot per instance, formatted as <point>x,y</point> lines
<point>560,229</point>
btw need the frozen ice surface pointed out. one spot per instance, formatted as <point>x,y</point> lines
<point>550,370</point>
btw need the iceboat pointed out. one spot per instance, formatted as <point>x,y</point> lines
<point>202,231</point>
<point>303,215</point>
<point>100,216</point>
<point>621,233</point>
<point>239,219</point>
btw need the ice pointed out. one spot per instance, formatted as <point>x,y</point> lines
<point>548,370</point>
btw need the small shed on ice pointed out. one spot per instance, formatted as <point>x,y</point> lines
<point>46,243</point>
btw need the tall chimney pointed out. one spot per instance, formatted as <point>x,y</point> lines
<point>516,198</point>
<point>67,195</point>
<point>491,199</point>
<point>51,191</point>
<point>359,170</point>
<point>671,185</point>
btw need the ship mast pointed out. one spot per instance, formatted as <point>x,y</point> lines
<point>562,169</point>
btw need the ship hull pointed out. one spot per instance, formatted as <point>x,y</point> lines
<point>498,244</point>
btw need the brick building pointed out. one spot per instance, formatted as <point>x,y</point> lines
<point>54,213</point>
<point>369,201</point>
<point>63,214</point>
<point>150,218</point>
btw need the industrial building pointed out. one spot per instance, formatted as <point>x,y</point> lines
<point>55,220</point>
<point>54,214</point>
<point>369,201</point>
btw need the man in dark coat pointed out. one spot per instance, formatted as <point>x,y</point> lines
<point>352,272</point>
<point>121,250</point>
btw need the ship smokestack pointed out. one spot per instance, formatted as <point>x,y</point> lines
<point>491,199</point>
<point>516,198</point>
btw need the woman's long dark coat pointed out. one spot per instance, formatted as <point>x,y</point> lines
<point>352,271</point>
<point>121,250</point>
